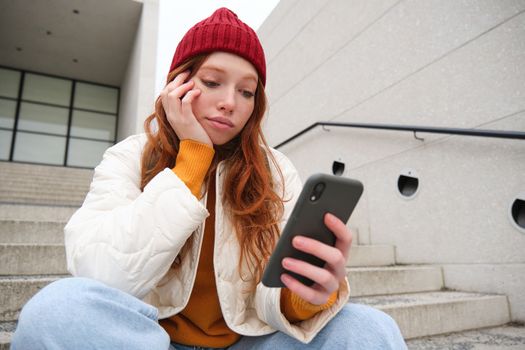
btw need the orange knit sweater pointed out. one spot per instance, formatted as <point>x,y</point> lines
<point>201,322</point>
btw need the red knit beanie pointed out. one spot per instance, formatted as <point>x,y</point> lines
<point>222,31</point>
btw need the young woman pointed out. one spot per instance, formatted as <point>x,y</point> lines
<point>180,221</point>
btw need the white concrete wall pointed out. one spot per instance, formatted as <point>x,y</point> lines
<point>137,94</point>
<point>445,63</point>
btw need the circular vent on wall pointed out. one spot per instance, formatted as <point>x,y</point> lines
<point>408,183</point>
<point>517,212</point>
<point>338,168</point>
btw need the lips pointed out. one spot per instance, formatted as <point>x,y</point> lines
<point>221,122</point>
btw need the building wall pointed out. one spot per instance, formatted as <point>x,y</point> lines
<point>430,63</point>
<point>137,94</point>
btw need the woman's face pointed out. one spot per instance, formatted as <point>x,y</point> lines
<point>227,83</point>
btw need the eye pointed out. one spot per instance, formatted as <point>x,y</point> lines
<point>210,83</point>
<point>247,93</point>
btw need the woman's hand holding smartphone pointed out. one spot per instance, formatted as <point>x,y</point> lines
<point>177,98</point>
<point>312,251</point>
<point>326,278</point>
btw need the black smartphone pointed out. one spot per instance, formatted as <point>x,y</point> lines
<point>321,194</point>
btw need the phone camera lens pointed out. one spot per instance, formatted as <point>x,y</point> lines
<point>318,190</point>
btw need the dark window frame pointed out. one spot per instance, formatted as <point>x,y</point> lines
<point>70,108</point>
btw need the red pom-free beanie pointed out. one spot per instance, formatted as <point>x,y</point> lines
<point>222,31</point>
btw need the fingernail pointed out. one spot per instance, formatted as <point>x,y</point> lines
<point>299,241</point>
<point>286,263</point>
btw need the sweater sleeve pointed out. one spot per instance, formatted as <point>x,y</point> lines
<point>192,164</point>
<point>296,309</point>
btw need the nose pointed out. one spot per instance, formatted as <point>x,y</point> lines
<point>227,100</point>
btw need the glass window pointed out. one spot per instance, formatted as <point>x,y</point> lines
<point>5,144</point>
<point>96,97</point>
<point>40,118</point>
<point>43,113</point>
<point>39,148</point>
<point>45,89</point>
<point>9,82</point>
<point>93,125</point>
<point>7,113</point>
<point>86,153</point>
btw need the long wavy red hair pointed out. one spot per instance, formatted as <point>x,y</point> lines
<point>249,191</point>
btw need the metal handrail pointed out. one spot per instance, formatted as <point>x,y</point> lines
<point>517,135</point>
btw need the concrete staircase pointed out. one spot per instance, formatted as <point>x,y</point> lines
<point>416,298</point>
<point>36,202</point>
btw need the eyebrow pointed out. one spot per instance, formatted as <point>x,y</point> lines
<point>220,70</point>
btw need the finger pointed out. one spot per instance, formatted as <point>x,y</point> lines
<point>342,233</point>
<point>187,101</point>
<point>174,98</point>
<point>319,275</point>
<point>309,294</point>
<point>178,80</point>
<point>331,255</point>
<point>181,90</point>
<point>170,90</point>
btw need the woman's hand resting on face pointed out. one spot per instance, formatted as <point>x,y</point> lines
<point>327,278</point>
<point>177,98</point>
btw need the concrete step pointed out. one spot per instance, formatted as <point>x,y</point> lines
<point>368,281</point>
<point>39,184</point>
<point>431,313</point>
<point>45,190</point>
<point>508,337</point>
<point>8,169</point>
<point>31,232</point>
<point>33,177</point>
<point>15,291</point>
<point>30,259</point>
<point>35,199</point>
<point>62,194</point>
<point>44,171</point>
<point>21,212</point>
<point>42,184</point>
<point>371,255</point>
<point>73,179</point>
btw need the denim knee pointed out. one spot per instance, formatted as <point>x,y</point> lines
<point>49,309</point>
<point>374,328</point>
<point>74,312</point>
<point>58,298</point>
<point>352,312</point>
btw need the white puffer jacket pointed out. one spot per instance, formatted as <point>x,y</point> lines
<point>128,239</point>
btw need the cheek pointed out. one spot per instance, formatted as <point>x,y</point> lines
<point>199,106</point>
<point>247,110</point>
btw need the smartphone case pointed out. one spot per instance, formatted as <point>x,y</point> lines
<point>339,197</point>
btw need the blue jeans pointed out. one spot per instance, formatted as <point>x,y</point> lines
<point>79,313</point>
